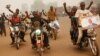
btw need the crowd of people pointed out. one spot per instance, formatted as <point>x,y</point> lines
<point>37,20</point>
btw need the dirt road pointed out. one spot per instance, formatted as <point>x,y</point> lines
<point>60,47</point>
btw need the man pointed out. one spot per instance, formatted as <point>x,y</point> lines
<point>37,18</point>
<point>51,14</point>
<point>15,20</point>
<point>52,18</point>
<point>27,20</point>
<point>74,26</point>
<point>82,13</point>
<point>2,24</point>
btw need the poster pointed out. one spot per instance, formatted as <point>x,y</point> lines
<point>90,22</point>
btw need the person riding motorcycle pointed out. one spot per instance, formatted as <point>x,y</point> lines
<point>74,23</point>
<point>26,20</point>
<point>37,18</point>
<point>52,18</point>
<point>82,13</point>
<point>16,20</point>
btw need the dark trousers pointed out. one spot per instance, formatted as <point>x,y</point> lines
<point>21,35</point>
<point>74,34</point>
<point>3,29</point>
<point>12,37</point>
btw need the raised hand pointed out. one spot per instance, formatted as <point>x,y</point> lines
<point>90,5</point>
<point>64,4</point>
<point>8,6</point>
<point>91,2</point>
<point>42,10</point>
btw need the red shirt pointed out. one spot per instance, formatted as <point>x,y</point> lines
<point>15,20</point>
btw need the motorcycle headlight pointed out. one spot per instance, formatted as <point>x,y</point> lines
<point>38,32</point>
<point>90,30</point>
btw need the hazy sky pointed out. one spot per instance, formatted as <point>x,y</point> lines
<point>18,3</point>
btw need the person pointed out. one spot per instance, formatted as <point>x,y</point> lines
<point>15,17</point>
<point>43,14</point>
<point>14,21</point>
<point>74,24</point>
<point>37,17</point>
<point>82,13</point>
<point>53,21</point>
<point>28,21</point>
<point>51,14</point>
<point>2,23</point>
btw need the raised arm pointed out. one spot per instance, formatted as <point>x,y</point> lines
<point>44,13</point>
<point>8,7</point>
<point>90,5</point>
<point>10,10</point>
<point>64,4</point>
<point>27,15</point>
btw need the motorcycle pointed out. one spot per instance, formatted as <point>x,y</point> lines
<point>39,37</point>
<point>89,35</point>
<point>53,33</point>
<point>54,26</point>
<point>15,33</point>
<point>89,39</point>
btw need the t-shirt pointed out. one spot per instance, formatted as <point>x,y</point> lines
<point>15,19</point>
<point>27,20</point>
<point>52,15</point>
<point>80,14</point>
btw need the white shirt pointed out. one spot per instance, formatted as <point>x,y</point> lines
<point>82,14</point>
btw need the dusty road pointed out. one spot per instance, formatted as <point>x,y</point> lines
<point>60,47</point>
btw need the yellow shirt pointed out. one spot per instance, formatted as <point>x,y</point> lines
<point>52,15</point>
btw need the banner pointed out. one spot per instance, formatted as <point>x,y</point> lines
<point>90,22</point>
